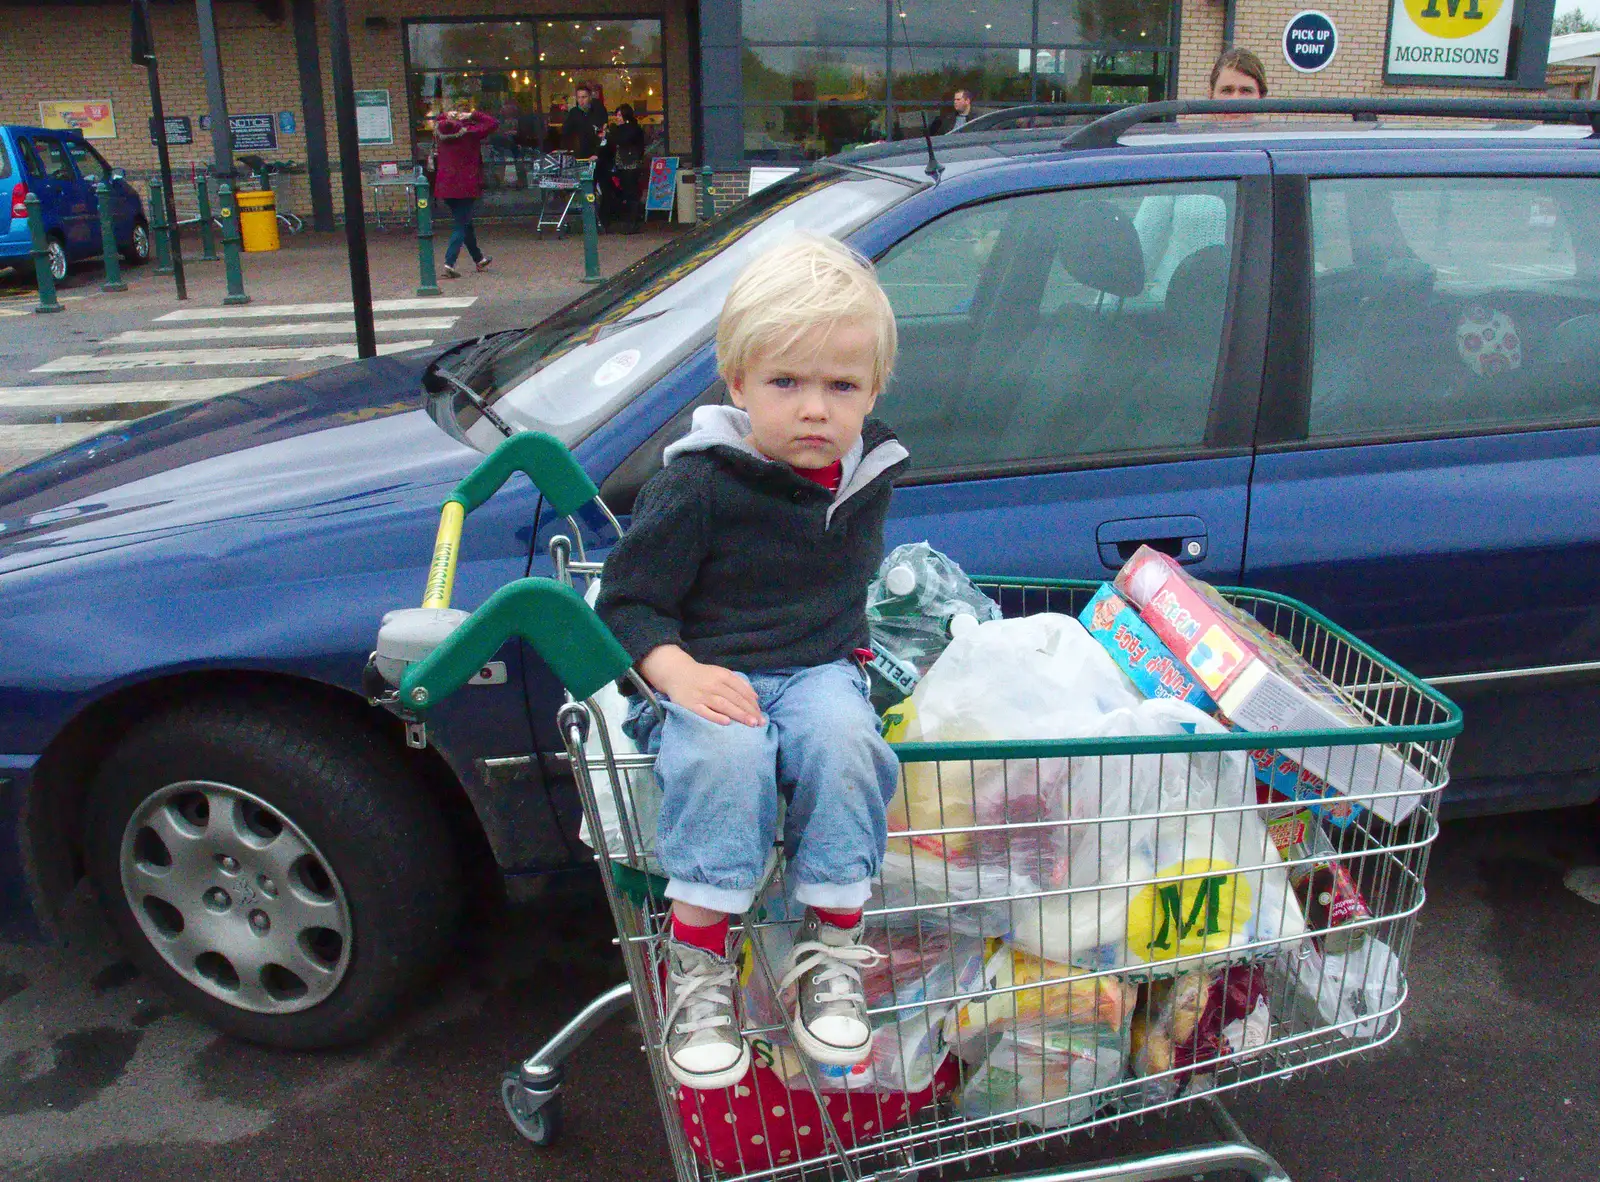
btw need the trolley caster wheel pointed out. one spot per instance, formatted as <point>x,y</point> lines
<point>542,1126</point>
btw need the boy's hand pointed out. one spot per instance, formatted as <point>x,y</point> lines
<point>711,691</point>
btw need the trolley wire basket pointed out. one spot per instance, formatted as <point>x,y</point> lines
<point>1063,950</point>
<point>1069,932</point>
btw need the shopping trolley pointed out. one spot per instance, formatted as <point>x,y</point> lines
<point>556,175</point>
<point>1093,1025</point>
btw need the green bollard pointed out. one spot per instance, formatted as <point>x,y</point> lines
<point>41,257</point>
<point>108,241</point>
<point>708,204</point>
<point>202,198</point>
<point>229,213</point>
<point>158,228</point>
<point>428,280</point>
<point>591,233</point>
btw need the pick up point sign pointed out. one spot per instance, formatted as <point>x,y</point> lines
<point>1309,41</point>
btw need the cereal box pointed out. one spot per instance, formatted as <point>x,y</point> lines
<point>1138,651</point>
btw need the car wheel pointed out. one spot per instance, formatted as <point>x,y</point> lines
<point>286,878</point>
<point>56,256</point>
<point>138,249</point>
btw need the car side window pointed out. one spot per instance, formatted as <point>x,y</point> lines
<point>1093,326</point>
<point>51,160</point>
<point>1454,303</point>
<point>90,165</point>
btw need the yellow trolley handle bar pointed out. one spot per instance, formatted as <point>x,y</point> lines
<point>544,459</point>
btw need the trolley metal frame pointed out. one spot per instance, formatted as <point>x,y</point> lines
<point>555,174</point>
<point>1387,862</point>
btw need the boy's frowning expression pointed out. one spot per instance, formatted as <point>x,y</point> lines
<point>806,403</point>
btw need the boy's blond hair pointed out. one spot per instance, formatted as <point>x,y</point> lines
<point>805,282</point>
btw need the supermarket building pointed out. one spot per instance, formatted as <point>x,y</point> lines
<point>732,83</point>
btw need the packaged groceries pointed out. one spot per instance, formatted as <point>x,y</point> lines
<point>1340,989</point>
<point>1260,682</point>
<point>1061,1078</point>
<point>1195,1018</point>
<point>1139,652</point>
<point>919,600</point>
<point>1157,673</point>
<point>1327,893</point>
<point>1029,995</point>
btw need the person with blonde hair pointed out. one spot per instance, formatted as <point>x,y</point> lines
<point>740,593</point>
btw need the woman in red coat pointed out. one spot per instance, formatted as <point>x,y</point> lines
<point>458,181</point>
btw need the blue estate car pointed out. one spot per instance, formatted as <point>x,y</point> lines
<point>1357,363</point>
<point>61,168</point>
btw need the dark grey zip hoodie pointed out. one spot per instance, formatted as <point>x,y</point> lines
<point>742,562</point>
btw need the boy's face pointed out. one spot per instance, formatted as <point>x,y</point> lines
<point>806,404</point>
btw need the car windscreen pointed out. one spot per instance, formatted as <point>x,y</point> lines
<point>571,372</point>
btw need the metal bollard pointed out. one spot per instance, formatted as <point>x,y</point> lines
<point>428,279</point>
<point>159,228</point>
<point>229,213</point>
<point>202,197</point>
<point>108,241</point>
<point>41,257</point>
<point>591,233</point>
<point>708,204</point>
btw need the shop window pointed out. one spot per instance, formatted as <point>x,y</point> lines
<point>814,73</point>
<point>806,131</point>
<point>830,22</point>
<point>477,44</point>
<point>934,74</point>
<point>986,22</point>
<point>1450,303</point>
<point>600,43</point>
<point>1090,22</point>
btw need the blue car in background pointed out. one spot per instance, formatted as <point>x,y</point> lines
<point>1355,362</point>
<point>61,169</point>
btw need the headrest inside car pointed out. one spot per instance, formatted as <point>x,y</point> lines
<point>1099,248</point>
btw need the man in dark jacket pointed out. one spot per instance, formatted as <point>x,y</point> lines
<point>585,122</point>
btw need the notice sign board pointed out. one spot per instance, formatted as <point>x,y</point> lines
<point>179,129</point>
<point>374,120</point>
<point>663,184</point>
<point>1309,40</point>
<point>1449,39</point>
<point>253,133</point>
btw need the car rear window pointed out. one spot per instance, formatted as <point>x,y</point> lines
<point>1448,303</point>
<point>5,158</point>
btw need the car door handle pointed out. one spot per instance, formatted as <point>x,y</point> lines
<point>1184,538</point>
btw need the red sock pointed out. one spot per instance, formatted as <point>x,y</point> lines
<point>838,919</point>
<point>713,937</point>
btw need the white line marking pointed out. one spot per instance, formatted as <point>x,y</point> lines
<point>103,393</point>
<point>264,355</point>
<point>436,303</point>
<point>232,332</point>
<point>49,436</point>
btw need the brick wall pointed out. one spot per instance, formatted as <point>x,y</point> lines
<point>82,53</point>
<point>1357,68</point>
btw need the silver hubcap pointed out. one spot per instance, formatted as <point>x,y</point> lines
<point>235,897</point>
<point>58,260</point>
<point>141,242</point>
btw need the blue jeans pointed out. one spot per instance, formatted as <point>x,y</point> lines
<point>462,232</point>
<point>719,809</point>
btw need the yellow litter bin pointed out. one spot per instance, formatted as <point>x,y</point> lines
<point>258,219</point>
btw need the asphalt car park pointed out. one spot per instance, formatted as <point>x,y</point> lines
<point>1275,352</point>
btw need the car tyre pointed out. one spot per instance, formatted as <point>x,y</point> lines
<point>137,251</point>
<point>56,257</point>
<point>264,816</point>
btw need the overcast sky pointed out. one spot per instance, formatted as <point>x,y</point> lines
<point>1591,8</point>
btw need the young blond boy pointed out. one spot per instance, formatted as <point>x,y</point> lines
<point>740,592</point>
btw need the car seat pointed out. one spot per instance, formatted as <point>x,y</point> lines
<point>1047,389</point>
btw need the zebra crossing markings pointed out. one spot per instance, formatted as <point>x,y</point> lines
<point>111,393</point>
<point>256,311</point>
<point>242,355</point>
<point>227,332</point>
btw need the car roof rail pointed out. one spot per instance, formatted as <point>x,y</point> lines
<point>1107,131</point>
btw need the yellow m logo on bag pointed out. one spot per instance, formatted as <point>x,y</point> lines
<point>1188,915</point>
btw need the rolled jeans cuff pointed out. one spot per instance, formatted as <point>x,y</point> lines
<point>699,894</point>
<point>833,896</point>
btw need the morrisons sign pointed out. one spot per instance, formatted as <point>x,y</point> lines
<point>1450,38</point>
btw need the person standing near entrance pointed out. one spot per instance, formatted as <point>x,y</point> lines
<point>458,140</point>
<point>584,124</point>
